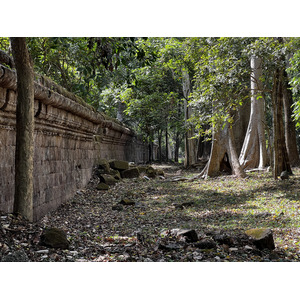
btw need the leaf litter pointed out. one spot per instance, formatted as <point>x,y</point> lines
<point>102,228</point>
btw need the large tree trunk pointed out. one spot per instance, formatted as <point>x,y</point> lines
<point>280,156</point>
<point>253,153</point>
<point>190,142</point>
<point>23,202</point>
<point>240,126</point>
<point>203,148</point>
<point>223,157</point>
<point>289,125</point>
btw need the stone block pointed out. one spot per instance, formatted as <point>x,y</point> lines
<point>262,238</point>
<point>108,179</point>
<point>119,165</point>
<point>130,173</point>
<point>54,238</point>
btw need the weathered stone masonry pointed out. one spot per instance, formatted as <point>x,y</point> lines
<point>69,139</point>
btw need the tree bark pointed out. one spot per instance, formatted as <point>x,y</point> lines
<point>280,156</point>
<point>177,144</point>
<point>223,157</point>
<point>159,146</point>
<point>289,125</point>
<point>167,143</point>
<point>253,153</point>
<point>190,143</point>
<point>23,201</point>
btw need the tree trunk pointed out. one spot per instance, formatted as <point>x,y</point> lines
<point>159,146</point>
<point>280,156</point>
<point>167,144</point>
<point>150,147</point>
<point>289,125</point>
<point>177,144</point>
<point>240,126</point>
<point>253,153</point>
<point>223,157</point>
<point>190,143</point>
<point>204,147</point>
<point>23,202</point>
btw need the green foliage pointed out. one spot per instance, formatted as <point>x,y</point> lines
<point>4,44</point>
<point>221,81</point>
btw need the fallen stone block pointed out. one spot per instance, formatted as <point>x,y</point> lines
<point>119,165</point>
<point>142,169</point>
<point>130,173</point>
<point>160,172</point>
<point>262,238</point>
<point>151,172</point>
<point>127,202</point>
<point>115,174</point>
<point>189,234</point>
<point>54,238</point>
<point>103,165</point>
<point>284,175</point>
<point>108,179</point>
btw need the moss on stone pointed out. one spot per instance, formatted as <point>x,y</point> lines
<point>257,233</point>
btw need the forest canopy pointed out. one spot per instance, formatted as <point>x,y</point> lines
<point>178,92</point>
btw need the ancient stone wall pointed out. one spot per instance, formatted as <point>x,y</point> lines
<point>69,139</point>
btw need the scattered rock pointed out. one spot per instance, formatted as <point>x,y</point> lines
<point>115,174</point>
<point>284,175</point>
<point>103,165</point>
<point>189,234</point>
<point>262,238</point>
<point>127,202</point>
<point>130,173</point>
<point>146,178</point>
<point>142,169</point>
<point>151,172</point>
<point>117,207</point>
<point>160,172</point>
<point>119,165</point>
<point>108,179</point>
<point>17,256</point>
<point>206,244</point>
<point>102,186</point>
<point>54,238</point>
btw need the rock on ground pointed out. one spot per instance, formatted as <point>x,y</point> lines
<point>262,238</point>
<point>54,238</point>
<point>119,165</point>
<point>131,173</point>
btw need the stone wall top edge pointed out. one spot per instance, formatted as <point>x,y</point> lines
<point>8,80</point>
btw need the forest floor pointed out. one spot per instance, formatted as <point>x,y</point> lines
<point>100,229</point>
